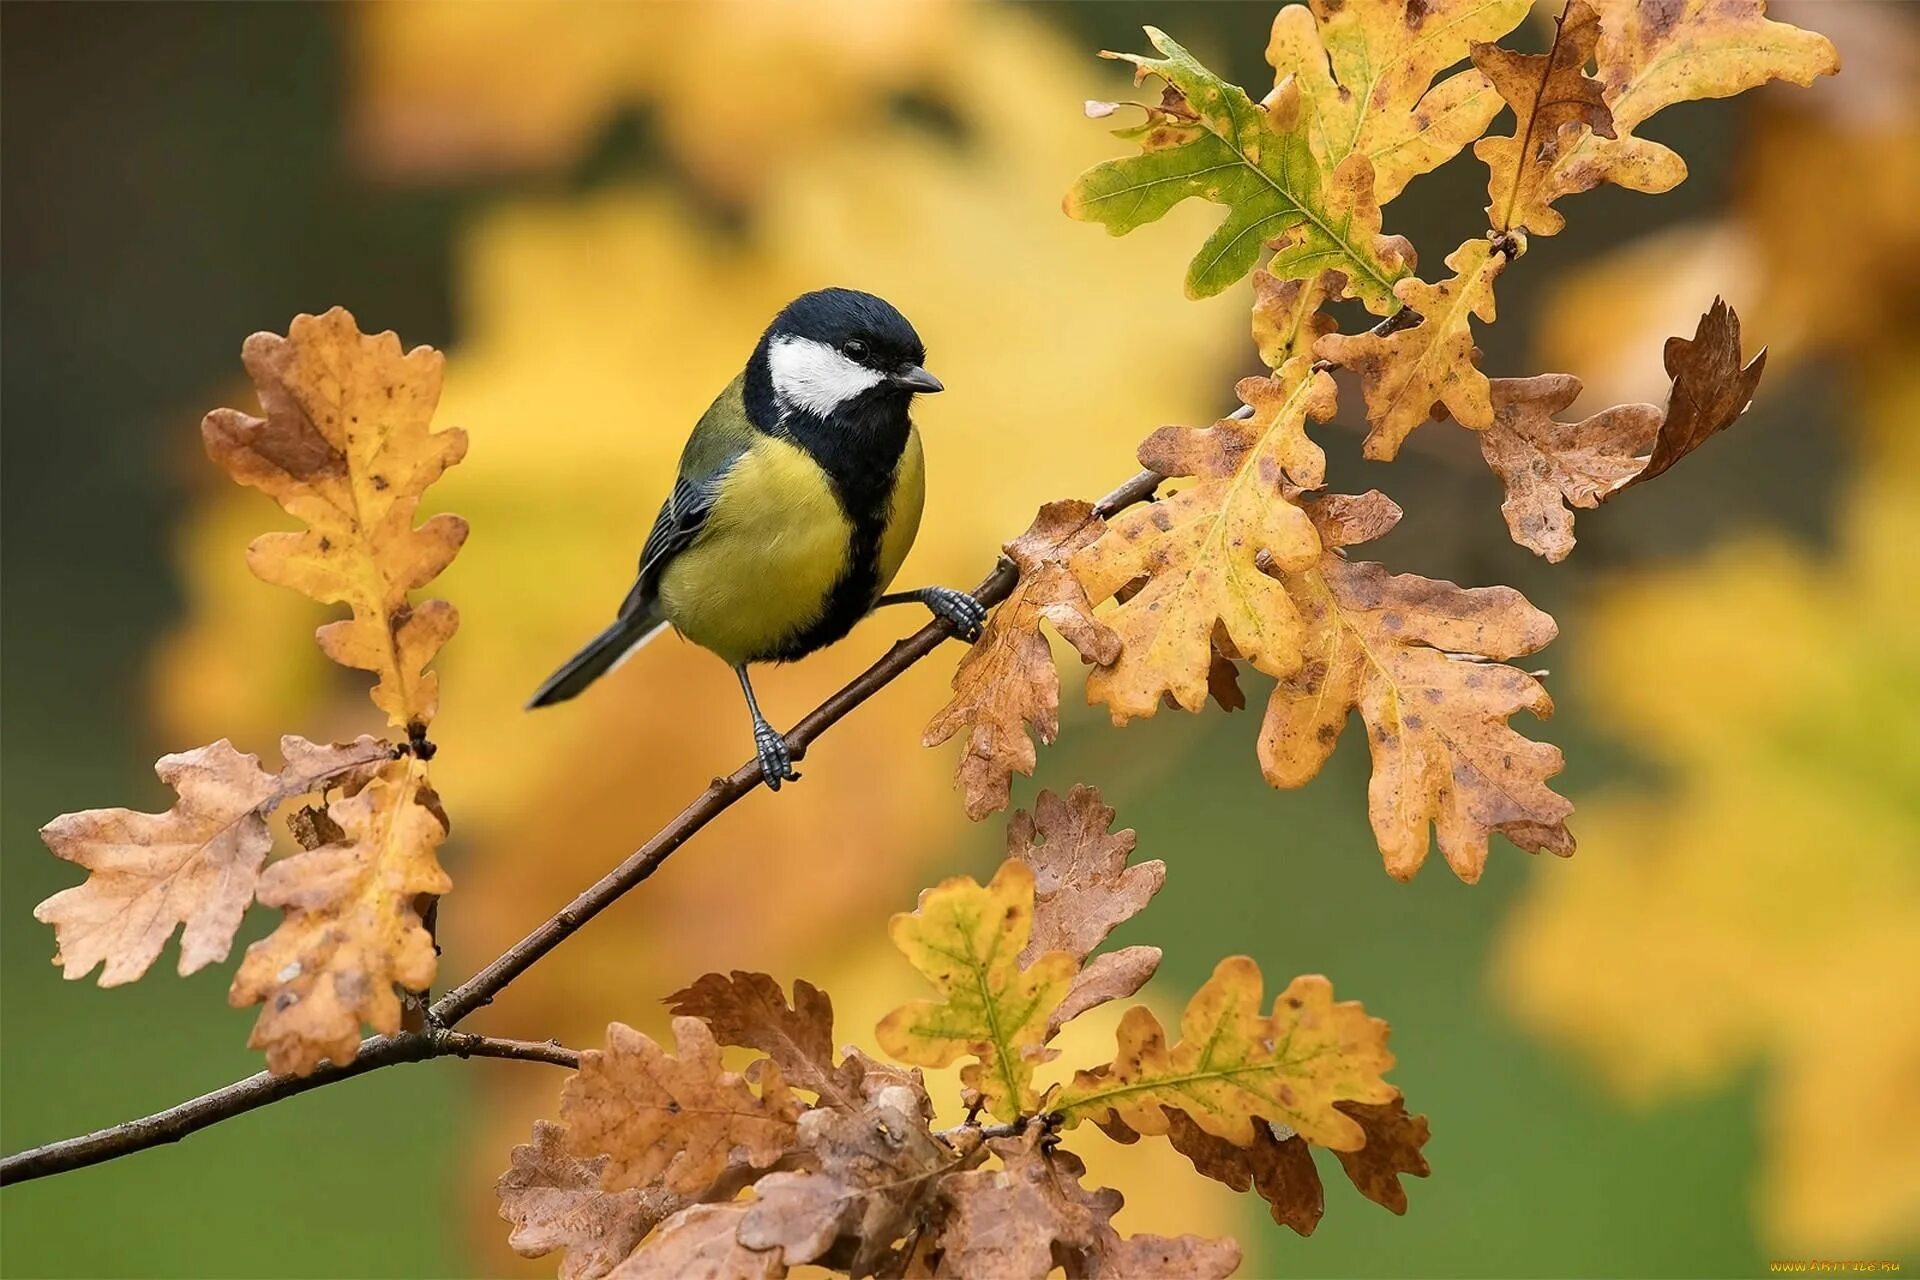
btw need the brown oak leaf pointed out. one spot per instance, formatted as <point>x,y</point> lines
<point>353,937</point>
<point>1083,889</point>
<point>750,1010</point>
<point>345,446</point>
<point>872,1172</point>
<point>1415,373</point>
<point>1711,388</point>
<point>1548,466</point>
<point>1011,1222</point>
<point>1394,1139</point>
<point>193,867</point>
<point>554,1201</point>
<point>1278,1167</point>
<point>701,1242</point>
<point>680,1120</point>
<point>1555,105</point>
<point>1007,680</point>
<point>1422,661</point>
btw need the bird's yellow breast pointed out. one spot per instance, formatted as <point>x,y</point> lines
<point>772,549</point>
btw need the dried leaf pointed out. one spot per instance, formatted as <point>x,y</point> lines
<point>1548,466</point>
<point>1711,388</point>
<point>872,1173</point>
<point>678,1121</point>
<point>1375,97</point>
<point>1414,373</point>
<point>1200,549</point>
<point>1235,1067</point>
<point>1421,662</point>
<point>1082,884</point>
<point>967,941</point>
<point>1278,1168</point>
<point>345,446</point>
<point>1651,56</point>
<point>353,936</point>
<point>1012,1223</point>
<point>1209,139</point>
<point>554,1201</point>
<point>1287,318</point>
<point>1556,105</point>
<point>750,1010</point>
<point>701,1242</point>
<point>1007,680</point>
<point>195,865</point>
<point>1394,1139</point>
<point>1112,976</point>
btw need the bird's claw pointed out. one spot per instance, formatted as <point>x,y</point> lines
<point>776,762</point>
<point>958,610</point>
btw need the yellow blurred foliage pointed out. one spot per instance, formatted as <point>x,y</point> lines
<point>737,90</point>
<point>595,329</point>
<point>1766,903</point>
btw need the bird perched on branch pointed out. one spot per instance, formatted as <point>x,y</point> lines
<point>798,496</point>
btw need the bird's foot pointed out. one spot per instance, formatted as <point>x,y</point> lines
<point>776,762</point>
<point>958,610</point>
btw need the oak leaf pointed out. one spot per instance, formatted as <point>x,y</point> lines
<point>1287,315</point>
<point>1083,889</point>
<point>1368,70</point>
<point>1007,680</point>
<point>353,936</point>
<point>1200,549</point>
<point>1016,1221</point>
<point>1651,56</point>
<point>1556,105</point>
<point>1394,1140</point>
<point>1421,660</point>
<point>679,1121</point>
<point>1235,1067</point>
<point>967,940</point>
<point>1209,139</point>
<point>1413,373</point>
<point>750,1010</point>
<point>1711,388</point>
<point>1548,466</point>
<point>1278,1167</point>
<point>554,1201</point>
<point>345,446</point>
<point>701,1242</point>
<point>872,1172</point>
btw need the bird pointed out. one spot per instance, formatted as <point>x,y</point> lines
<point>798,496</point>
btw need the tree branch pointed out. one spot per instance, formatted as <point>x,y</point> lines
<point>438,1039</point>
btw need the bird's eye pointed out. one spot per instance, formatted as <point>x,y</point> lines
<point>854,349</point>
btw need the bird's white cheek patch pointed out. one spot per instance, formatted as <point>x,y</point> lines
<point>813,376</point>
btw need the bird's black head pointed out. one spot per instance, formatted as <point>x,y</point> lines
<point>837,349</point>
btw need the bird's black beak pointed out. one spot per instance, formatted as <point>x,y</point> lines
<point>914,378</point>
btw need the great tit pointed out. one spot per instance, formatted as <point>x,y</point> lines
<point>798,496</point>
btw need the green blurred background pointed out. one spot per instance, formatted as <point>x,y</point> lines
<point>177,176</point>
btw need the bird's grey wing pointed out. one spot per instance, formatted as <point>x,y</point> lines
<point>681,520</point>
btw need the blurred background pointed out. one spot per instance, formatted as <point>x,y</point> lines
<point>1692,1048</point>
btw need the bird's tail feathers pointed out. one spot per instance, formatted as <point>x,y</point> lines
<point>603,653</point>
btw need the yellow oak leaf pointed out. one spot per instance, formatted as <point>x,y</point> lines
<point>345,446</point>
<point>1236,1066</point>
<point>1422,662</point>
<point>1286,314</point>
<point>1555,105</point>
<point>1411,374</point>
<point>1769,890</point>
<point>1368,69</point>
<point>967,939</point>
<point>678,1121</point>
<point>1651,56</point>
<point>1007,680</point>
<point>353,937</point>
<point>1200,549</point>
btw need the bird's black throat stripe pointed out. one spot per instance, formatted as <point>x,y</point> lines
<point>859,447</point>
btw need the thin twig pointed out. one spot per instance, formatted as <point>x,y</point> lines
<point>438,1039</point>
